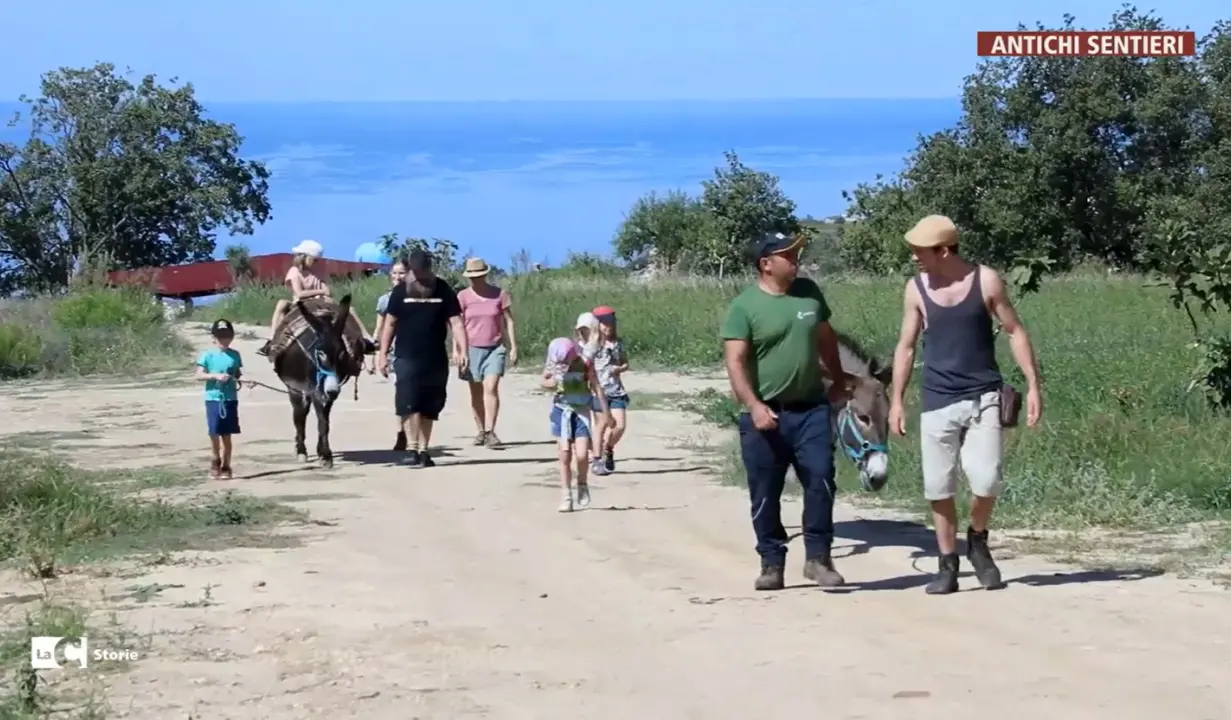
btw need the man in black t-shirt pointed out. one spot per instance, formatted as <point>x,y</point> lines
<point>421,312</point>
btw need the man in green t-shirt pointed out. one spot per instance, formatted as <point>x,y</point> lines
<point>775,334</point>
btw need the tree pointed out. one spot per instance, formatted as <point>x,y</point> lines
<point>121,175</point>
<point>710,233</point>
<point>239,258</point>
<point>744,204</point>
<point>666,230</point>
<point>443,252</point>
<point>1054,161</point>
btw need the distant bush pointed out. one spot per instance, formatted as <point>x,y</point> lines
<point>93,330</point>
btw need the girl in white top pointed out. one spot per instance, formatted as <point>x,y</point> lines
<point>304,284</point>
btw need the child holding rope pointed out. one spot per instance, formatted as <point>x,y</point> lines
<point>576,390</point>
<point>221,368</point>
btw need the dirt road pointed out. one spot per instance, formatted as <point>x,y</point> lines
<point>459,591</point>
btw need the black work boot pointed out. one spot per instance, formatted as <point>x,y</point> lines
<point>399,445</point>
<point>772,577</point>
<point>980,557</point>
<point>414,459</point>
<point>945,581</point>
<point>820,570</point>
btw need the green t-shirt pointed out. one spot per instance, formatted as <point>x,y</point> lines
<point>783,360</point>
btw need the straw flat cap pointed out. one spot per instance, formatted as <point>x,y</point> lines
<point>932,231</point>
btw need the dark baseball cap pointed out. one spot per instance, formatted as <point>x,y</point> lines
<point>222,326</point>
<point>419,259</point>
<point>774,243</point>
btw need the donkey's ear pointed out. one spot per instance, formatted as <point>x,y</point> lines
<point>343,314</point>
<point>883,373</point>
<point>313,321</point>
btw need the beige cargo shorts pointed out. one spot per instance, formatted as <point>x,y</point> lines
<point>965,435</point>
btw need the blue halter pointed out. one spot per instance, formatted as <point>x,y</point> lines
<point>856,446</point>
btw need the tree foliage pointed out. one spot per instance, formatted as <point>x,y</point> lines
<point>443,252</point>
<point>1056,161</point>
<point>709,232</point>
<point>118,175</point>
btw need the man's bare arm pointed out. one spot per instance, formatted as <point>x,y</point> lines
<point>735,358</point>
<point>827,345</point>
<point>1019,340</point>
<point>458,329</point>
<point>386,333</point>
<point>908,336</point>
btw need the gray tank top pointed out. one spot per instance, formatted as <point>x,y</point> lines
<point>959,349</point>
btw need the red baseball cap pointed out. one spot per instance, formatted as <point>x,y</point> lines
<point>603,311</point>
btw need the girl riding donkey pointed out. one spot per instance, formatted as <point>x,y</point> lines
<point>305,284</point>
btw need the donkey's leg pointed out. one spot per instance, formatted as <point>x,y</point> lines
<point>299,413</point>
<point>323,452</point>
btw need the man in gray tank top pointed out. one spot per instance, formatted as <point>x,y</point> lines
<point>952,302</point>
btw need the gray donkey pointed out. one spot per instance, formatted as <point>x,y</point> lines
<point>321,348</point>
<point>861,425</point>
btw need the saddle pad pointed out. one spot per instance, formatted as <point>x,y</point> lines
<point>294,325</point>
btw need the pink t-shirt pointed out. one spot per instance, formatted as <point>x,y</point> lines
<point>309,279</point>
<point>482,316</point>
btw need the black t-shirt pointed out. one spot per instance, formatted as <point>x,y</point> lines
<point>423,325</point>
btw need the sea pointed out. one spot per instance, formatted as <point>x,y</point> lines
<point>547,177</point>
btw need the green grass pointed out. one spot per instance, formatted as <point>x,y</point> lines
<point>90,331</point>
<point>55,514</point>
<point>1123,443</point>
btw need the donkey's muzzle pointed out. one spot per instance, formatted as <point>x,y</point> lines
<point>874,471</point>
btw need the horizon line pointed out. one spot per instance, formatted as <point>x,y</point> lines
<point>564,101</point>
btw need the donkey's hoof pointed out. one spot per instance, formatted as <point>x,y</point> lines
<point>327,463</point>
<point>302,457</point>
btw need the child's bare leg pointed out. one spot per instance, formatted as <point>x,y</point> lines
<point>226,450</point>
<point>616,430</point>
<point>596,449</point>
<point>565,454</point>
<point>581,449</point>
<point>279,313</point>
<point>215,459</point>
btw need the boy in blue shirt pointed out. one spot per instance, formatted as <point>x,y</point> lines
<point>220,368</point>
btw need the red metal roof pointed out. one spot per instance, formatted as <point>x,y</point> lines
<point>211,278</point>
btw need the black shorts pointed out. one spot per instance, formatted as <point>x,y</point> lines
<point>418,391</point>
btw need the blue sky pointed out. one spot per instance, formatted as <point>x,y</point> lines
<point>278,50</point>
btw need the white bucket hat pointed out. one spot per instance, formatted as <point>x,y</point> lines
<point>585,320</point>
<point>309,247</point>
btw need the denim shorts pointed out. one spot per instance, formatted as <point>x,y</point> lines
<point>579,424</point>
<point>615,402</point>
<point>222,417</point>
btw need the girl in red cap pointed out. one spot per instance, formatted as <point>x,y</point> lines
<point>610,364</point>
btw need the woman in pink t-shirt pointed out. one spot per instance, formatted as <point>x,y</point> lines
<point>488,316</point>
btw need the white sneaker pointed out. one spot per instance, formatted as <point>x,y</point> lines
<point>566,505</point>
<point>583,495</point>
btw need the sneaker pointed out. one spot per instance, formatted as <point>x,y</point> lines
<point>414,459</point>
<point>491,440</point>
<point>215,468</point>
<point>583,495</point>
<point>225,473</point>
<point>980,557</point>
<point>264,349</point>
<point>772,577</point>
<point>945,580</point>
<point>609,461</point>
<point>425,460</point>
<point>566,504</point>
<point>480,438</point>
<point>597,467</point>
<point>399,445</point>
<point>821,571</point>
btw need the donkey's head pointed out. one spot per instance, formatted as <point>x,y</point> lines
<point>861,426</point>
<point>328,358</point>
